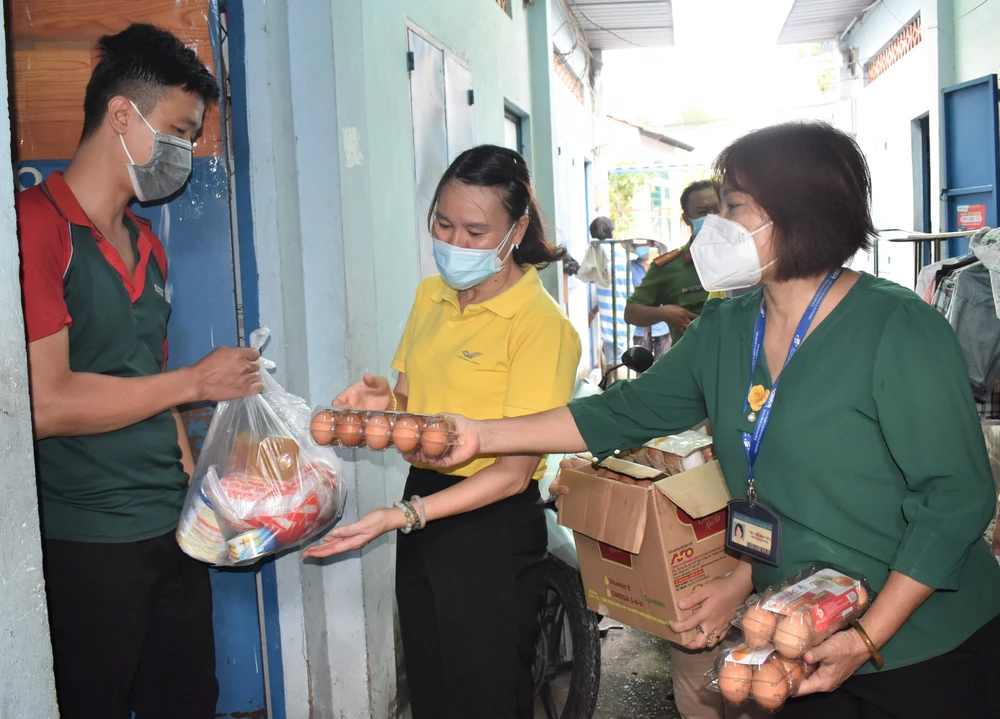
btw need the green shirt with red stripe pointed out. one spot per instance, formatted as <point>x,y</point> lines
<point>121,486</point>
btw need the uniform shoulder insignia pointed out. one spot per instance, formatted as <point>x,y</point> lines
<point>664,259</point>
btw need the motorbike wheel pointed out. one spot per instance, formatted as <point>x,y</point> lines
<point>568,657</point>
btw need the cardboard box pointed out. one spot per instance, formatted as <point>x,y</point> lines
<point>643,548</point>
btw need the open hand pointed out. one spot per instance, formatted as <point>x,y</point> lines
<point>357,534</point>
<point>838,657</point>
<point>372,393</point>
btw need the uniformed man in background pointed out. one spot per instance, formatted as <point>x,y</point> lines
<point>671,291</point>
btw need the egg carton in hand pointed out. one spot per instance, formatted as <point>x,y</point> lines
<point>763,675</point>
<point>801,614</point>
<point>419,436</point>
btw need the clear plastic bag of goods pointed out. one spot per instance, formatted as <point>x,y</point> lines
<point>742,674</point>
<point>261,485</point>
<point>985,244</point>
<point>674,454</point>
<point>804,612</point>
<point>420,436</point>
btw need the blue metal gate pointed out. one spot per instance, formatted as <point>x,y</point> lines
<point>970,150</point>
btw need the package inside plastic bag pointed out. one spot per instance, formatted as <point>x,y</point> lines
<point>260,486</point>
<point>986,246</point>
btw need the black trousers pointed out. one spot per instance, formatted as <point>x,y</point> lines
<point>469,590</point>
<point>961,684</point>
<point>131,628</point>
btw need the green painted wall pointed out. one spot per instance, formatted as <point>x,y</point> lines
<point>373,106</point>
<point>977,50</point>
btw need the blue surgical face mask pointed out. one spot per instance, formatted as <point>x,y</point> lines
<point>642,252</point>
<point>696,225</point>
<point>462,267</point>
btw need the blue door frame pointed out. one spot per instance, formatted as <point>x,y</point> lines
<point>250,300</point>
<point>970,150</point>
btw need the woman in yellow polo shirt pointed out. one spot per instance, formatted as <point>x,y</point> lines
<point>484,339</point>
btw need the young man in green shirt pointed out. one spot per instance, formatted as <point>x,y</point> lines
<point>130,614</point>
<point>671,291</point>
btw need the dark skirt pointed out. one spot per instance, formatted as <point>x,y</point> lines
<point>469,590</point>
<point>960,684</point>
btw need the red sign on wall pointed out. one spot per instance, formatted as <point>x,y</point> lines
<point>971,217</point>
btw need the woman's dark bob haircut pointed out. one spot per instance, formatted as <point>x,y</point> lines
<point>813,182</point>
<point>505,172</point>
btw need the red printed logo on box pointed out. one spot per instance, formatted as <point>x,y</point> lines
<point>705,527</point>
<point>615,555</point>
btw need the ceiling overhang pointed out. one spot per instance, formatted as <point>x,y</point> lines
<point>820,20</point>
<point>624,24</point>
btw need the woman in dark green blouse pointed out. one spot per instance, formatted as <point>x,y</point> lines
<point>873,458</point>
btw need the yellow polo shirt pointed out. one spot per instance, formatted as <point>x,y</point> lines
<point>513,355</point>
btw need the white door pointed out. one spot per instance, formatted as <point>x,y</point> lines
<point>441,115</point>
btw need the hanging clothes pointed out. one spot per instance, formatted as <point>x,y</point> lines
<point>961,290</point>
<point>974,318</point>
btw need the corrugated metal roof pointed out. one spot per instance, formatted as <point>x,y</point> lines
<point>623,24</point>
<point>820,20</point>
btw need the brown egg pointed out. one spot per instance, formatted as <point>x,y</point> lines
<point>795,670</point>
<point>758,626</point>
<point>404,433</point>
<point>734,681</point>
<point>794,635</point>
<point>377,432</point>
<point>321,428</point>
<point>770,685</point>
<point>434,441</point>
<point>862,596</point>
<point>348,429</point>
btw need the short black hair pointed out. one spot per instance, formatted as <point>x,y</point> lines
<point>504,171</point>
<point>602,228</point>
<point>691,189</point>
<point>813,182</point>
<point>140,63</point>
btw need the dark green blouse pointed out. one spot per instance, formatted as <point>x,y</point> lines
<point>874,456</point>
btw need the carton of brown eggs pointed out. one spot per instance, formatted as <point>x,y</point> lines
<point>803,613</point>
<point>743,673</point>
<point>428,436</point>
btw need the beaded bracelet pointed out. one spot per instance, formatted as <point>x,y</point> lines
<point>408,514</point>
<point>418,523</point>
<point>421,512</point>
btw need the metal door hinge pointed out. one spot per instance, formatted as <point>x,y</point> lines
<point>472,97</point>
<point>411,62</point>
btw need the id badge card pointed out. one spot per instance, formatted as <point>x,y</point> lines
<point>754,530</point>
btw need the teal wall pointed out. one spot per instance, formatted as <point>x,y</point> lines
<point>373,104</point>
<point>977,52</point>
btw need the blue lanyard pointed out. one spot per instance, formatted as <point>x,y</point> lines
<point>751,442</point>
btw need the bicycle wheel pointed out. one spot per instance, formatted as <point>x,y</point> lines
<point>568,659</point>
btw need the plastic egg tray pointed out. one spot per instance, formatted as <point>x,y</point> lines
<point>799,615</point>
<point>425,436</point>
<point>763,675</point>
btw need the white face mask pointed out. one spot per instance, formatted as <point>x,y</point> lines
<point>725,255</point>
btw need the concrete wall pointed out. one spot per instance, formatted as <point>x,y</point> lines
<point>575,203</point>
<point>977,51</point>
<point>885,113</point>
<point>494,47</point>
<point>333,210</point>
<point>27,687</point>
